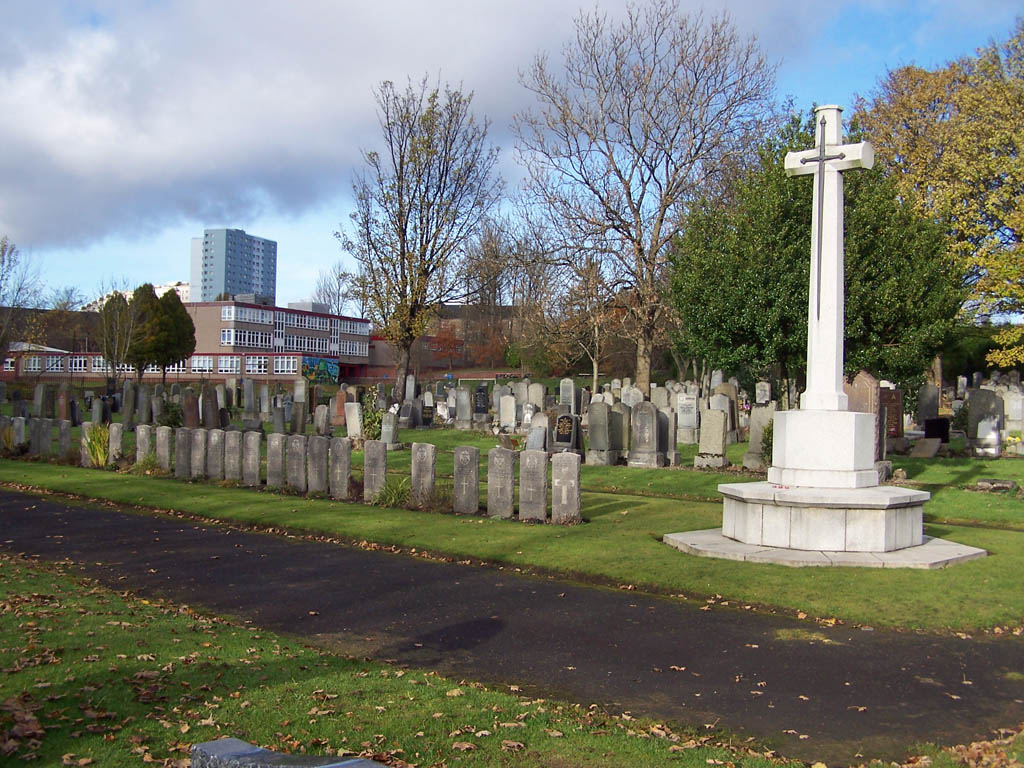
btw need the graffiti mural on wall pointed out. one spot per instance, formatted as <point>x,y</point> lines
<point>320,370</point>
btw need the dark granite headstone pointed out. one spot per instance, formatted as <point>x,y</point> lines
<point>937,427</point>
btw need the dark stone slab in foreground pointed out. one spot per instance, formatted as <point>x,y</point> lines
<point>235,753</point>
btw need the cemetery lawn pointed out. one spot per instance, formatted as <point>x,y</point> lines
<point>627,512</point>
<point>95,677</point>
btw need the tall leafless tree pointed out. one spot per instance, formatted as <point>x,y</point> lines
<point>418,203</point>
<point>642,117</point>
<point>19,289</point>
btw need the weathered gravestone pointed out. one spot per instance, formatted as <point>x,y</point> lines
<point>354,420</point>
<point>667,431</point>
<point>116,442</point>
<point>84,459</point>
<point>480,406</point>
<point>215,454</point>
<point>686,418</point>
<point>233,456</point>
<point>644,444</point>
<point>211,411</point>
<point>183,453</point>
<point>500,484</point>
<point>466,480</point>
<point>198,454</point>
<point>340,470</point>
<point>63,438</point>
<point>252,445</point>
<point>984,422</point>
<point>295,473</point>
<point>864,395</point>
<point>375,467</point>
<point>599,443</point>
<point>316,463</point>
<point>190,409</point>
<point>711,449</point>
<point>143,442</point>
<point>463,409</point>
<point>276,443</point>
<point>533,486</point>
<point>422,473</point>
<point>760,418</point>
<point>389,431</point>
<point>321,421</point>
<point>762,392</point>
<point>164,454</point>
<point>565,489</point>
<point>927,403</point>
<point>507,413</point>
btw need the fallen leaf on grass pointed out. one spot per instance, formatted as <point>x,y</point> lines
<point>463,746</point>
<point>511,746</point>
<point>553,733</point>
<point>455,692</point>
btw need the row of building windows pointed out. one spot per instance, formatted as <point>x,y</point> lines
<point>247,315</point>
<point>357,348</point>
<point>197,364</point>
<point>306,343</point>
<point>239,337</point>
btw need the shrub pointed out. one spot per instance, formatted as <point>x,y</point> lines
<point>959,420</point>
<point>766,442</point>
<point>97,444</point>
<point>147,466</point>
<point>393,494</point>
<point>372,415</point>
<point>171,416</point>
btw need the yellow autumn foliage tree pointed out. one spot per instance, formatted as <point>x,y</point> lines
<point>953,137</point>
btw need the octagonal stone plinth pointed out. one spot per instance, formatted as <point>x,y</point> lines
<point>877,519</point>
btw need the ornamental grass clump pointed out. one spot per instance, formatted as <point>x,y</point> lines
<point>97,444</point>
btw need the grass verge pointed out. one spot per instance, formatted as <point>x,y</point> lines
<point>619,546</point>
<point>93,677</point>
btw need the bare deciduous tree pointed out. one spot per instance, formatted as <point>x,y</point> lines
<point>648,112</point>
<point>336,287</point>
<point>19,288</point>
<point>418,203</point>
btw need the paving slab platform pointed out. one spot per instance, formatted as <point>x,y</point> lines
<point>933,553</point>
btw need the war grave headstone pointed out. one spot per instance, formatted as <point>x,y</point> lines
<point>18,428</point>
<point>711,449</point>
<point>116,442</point>
<point>466,480</point>
<point>375,467</point>
<point>984,422</point>
<point>46,436</point>
<point>643,450</point>
<point>198,453</point>
<point>84,459</point>
<point>183,453</point>
<point>143,442</point>
<point>215,454</point>
<point>317,464</point>
<point>565,489</point>
<point>760,417</point>
<point>340,469</point>
<point>500,482</point>
<point>164,451</point>
<point>231,461</point>
<point>422,471</point>
<point>295,476</point>
<point>276,449</point>
<point>533,486</point>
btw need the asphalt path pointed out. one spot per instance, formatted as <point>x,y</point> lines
<point>836,694</point>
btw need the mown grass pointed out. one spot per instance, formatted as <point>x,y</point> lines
<point>93,677</point>
<point>620,544</point>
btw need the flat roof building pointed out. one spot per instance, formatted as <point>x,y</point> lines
<point>228,262</point>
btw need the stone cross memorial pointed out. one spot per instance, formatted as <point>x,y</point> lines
<point>822,494</point>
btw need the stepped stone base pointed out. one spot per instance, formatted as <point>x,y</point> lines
<point>876,519</point>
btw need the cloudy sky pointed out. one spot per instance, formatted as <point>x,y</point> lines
<point>128,127</point>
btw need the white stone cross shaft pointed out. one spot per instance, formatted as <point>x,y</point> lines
<point>825,322</point>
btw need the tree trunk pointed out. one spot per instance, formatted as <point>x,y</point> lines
<point>593,363</point>
<point>402,369</point>
<point>643,363</point>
